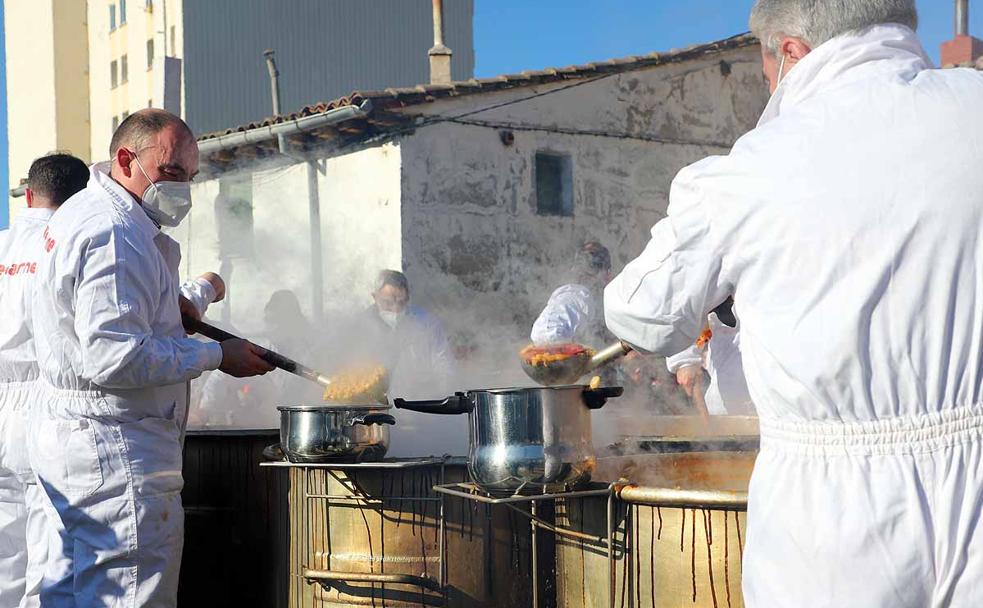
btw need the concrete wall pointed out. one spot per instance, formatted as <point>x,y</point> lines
<point>46,89</point>
<point>130,39</point>
<point>71,78</point>
<point>472,240</point>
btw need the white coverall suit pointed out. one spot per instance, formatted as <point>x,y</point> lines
<point>21,519</point>
<point>570,315</point>
<point>848,227</point>
<point>105,440</point>
<point>24,531</point>
<point>727,393</point>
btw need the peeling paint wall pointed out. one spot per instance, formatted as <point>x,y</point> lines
<point>472,239</point>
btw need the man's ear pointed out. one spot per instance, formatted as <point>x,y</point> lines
<point>29,195</point>
<point>124,158</point>
<point>795,48</point>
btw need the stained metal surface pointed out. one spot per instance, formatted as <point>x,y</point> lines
<point>677,540</point>
<point>382,537</point>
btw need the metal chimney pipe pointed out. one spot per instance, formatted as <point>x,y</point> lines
<point>275,93</point>
<point>962,17</point>
<point>274,80</point>
<point>438,23</point>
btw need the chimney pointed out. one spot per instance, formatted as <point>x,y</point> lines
<point>440,55</point>
<point>963,48</point>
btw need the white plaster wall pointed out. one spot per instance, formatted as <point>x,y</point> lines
<point>360,223</point>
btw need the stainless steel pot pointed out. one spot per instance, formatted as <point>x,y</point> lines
<point>526,440</point>
<point>326,432</point>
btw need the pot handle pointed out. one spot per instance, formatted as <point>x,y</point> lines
<point>376,418</point>
<point>457,404</point>
<point>595,398</point>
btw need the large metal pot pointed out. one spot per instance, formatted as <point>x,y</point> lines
<point>326,432</point>
<point>526,440</point>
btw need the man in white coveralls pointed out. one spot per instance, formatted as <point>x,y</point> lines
<point>848,227</point>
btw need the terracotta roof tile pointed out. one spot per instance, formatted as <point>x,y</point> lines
<point>425,93</point>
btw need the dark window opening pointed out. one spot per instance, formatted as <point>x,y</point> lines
<point>122,12</point>
<point>124,71</point>
<point>113,75</point>
<point>554,184</point>
<point>150,53</point>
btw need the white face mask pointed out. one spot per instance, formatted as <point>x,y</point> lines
<point>781,68</point>
<point>390,318</point>
<point>771,108</point>
<point>167,203</point>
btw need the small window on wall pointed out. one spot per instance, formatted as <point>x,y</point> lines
<point>112,17</point>
<point>149,6</point>
<point>115,123</point>
<point>122,12</point>
<point>124,72</point>
<point>150,53</point>
<point>113,75</point>
<point>124,116</point>
<point>173,51</point>
<point>554,184</point>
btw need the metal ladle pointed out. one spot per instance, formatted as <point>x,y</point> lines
<point>571,369</point>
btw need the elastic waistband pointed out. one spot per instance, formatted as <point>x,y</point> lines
<point>88,393</point>
<point>14,385</point>
<point>901,435</point>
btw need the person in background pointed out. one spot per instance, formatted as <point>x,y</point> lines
<point>411,342</point>
<point>575,310</point>
<point>718,351</point>
<point>848,228</point>
<point>410,338</point>
<point>51,181</point>
<point>105,437</point>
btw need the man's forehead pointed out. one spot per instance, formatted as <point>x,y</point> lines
<point>175,147</point>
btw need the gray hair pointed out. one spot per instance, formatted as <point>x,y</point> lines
<point>138,129</point>
<point>817,21</point>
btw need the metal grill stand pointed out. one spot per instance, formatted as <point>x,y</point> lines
<point>470,491</point>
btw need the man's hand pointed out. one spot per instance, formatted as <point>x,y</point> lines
<point>188,309</point>
<point>241,358</point>
<point>687,376</point>
<point>217,283</point>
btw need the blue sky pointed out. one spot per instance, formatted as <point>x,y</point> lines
<point>516,35</point>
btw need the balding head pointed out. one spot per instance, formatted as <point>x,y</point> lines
<point>138,130</point>
<point>152,145</point>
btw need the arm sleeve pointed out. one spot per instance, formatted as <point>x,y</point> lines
<point>691,356</point>
<point>116,296</point>
<point>200,293</point>
<point>567,309</point>
<point>660,301</point>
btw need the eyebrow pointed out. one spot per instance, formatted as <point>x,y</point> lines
<point>176,168</point>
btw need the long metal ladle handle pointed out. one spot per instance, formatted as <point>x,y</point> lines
<point>607,355</point>
<point>275,359</point>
